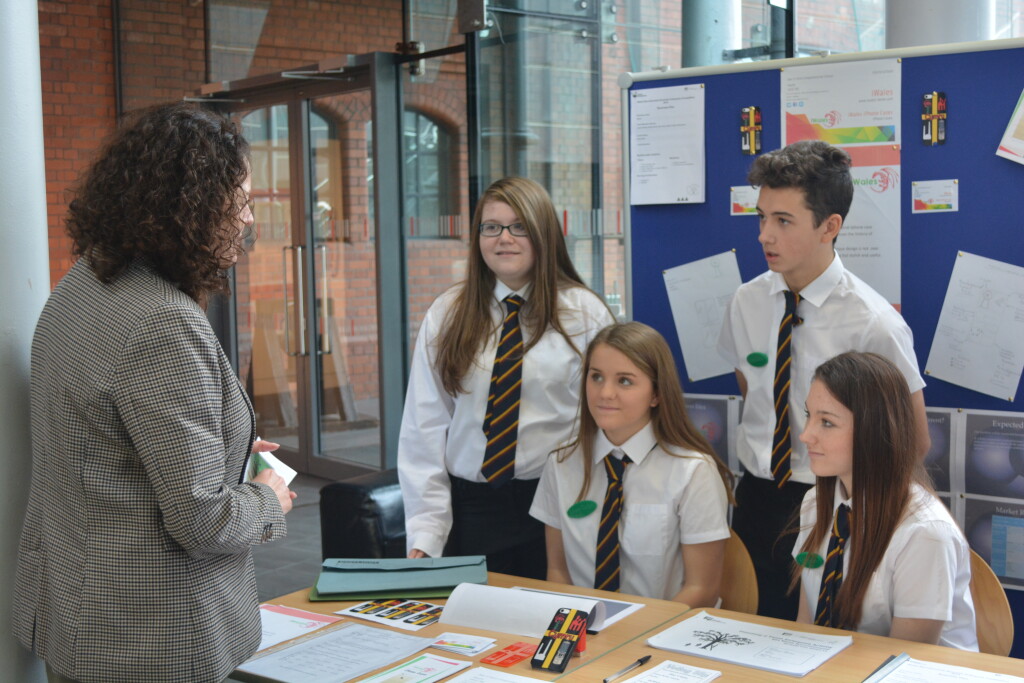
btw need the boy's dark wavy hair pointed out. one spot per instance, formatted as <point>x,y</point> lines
<point>167,189</point>
<point>816,167</point>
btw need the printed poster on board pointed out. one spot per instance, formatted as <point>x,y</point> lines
<point>856,106</point>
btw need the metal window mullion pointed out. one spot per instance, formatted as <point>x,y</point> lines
<point>392,321</point>
<point>302,236</point>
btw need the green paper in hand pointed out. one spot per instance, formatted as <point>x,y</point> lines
<point>259,464</point>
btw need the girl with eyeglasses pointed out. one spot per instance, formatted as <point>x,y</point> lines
<point>494,385</point>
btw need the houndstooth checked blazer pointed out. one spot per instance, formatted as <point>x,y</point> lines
<point>135,563</point>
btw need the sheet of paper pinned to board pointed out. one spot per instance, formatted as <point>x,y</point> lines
<point>979,340</point>
<point>1011,146</point>
<point>698,293</point>
<point>935,196</point>
<point>666,145</point>
<point>743,200</point>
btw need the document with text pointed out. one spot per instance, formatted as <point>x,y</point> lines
<point>339,655</point>
<point>905,669</point>
<point>785,651</point>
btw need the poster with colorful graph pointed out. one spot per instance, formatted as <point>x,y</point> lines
<point>844,103</point>
<point>856,106</point>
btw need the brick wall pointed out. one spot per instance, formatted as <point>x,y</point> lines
<point>77,65</point>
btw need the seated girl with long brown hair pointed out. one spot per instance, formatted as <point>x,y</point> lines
<point>637,501</point>
<point>878,552</point>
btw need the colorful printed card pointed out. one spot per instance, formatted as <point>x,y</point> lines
<point>409,615</point>
<point>511,655</point>
<point>935,196</point>
<point>462,644</point>
<point>422,669</point>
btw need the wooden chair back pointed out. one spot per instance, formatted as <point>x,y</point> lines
<point>739,581</point>
<point>991,609</point>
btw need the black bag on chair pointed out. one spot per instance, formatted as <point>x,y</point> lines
<point>363,517</point>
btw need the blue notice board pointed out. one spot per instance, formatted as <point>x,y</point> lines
<point>982,82</point>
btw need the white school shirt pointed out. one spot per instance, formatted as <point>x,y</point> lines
<point>925,572</point>
<point>668,500</point>
<point>840,313</point>
<point>443,434</point>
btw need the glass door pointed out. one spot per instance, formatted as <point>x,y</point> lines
<point>269,333</point>
<point>309,308</point>
<point>346,367</point>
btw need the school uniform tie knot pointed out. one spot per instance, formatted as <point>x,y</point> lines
<point>501,421</point>
<point>793,300</point>
<point>832,574</point>
<point>606,559</point>
<point>512,302</point>
<point>782,446</point>
<point>615,463</point>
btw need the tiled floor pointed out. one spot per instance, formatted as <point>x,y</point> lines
<point>293,562</point>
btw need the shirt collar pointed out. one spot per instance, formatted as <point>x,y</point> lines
<point>636,447</point>
<point>501,290</point>
<point>841,497</point>
<point>819,289</point>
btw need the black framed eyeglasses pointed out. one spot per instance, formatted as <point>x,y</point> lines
<point>495,229</point>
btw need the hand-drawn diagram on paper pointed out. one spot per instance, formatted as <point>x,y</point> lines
<point>979,341</point>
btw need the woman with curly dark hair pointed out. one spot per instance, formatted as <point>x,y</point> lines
<point>135,559</point>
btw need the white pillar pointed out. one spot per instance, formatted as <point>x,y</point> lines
<point>24,286</point>
<point>909,23</point>
<point>709,27</point>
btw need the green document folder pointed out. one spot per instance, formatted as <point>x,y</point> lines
<point>427,577</point>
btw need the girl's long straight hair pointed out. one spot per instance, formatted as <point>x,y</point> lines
<point>468,323</point>
<point>647,350</point>
<point>885,463</point>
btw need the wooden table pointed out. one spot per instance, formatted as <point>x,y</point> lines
<point>852,665</point>
<point>637,626</point>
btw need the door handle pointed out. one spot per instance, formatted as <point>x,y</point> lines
<point>325,337</point>
<point>299,303</point>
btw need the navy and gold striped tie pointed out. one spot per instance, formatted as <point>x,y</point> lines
<point>606,560</point>
<point>501,423</point>
<point>832,575</point>
<point>782,446</point>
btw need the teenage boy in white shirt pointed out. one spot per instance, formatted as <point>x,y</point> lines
<point>805,194</point>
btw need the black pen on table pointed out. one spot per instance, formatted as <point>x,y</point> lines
<point>638,663</point>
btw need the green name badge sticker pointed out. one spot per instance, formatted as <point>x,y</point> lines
<point>810,560</point>
<point>757,359</point>
<point>581,509</point>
